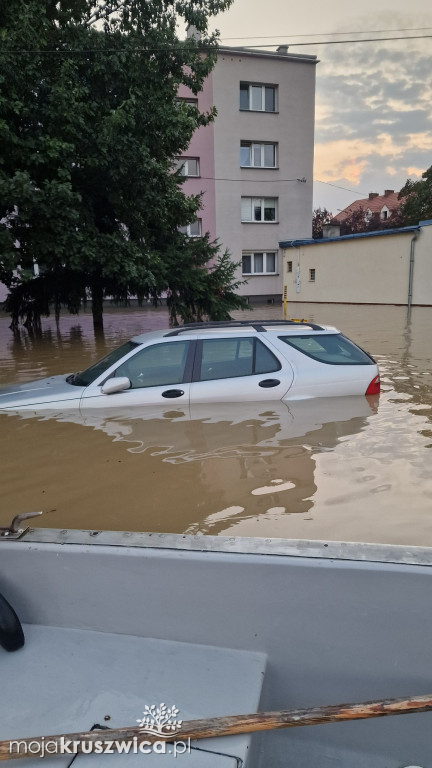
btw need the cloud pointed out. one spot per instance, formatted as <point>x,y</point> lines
<point>349,158</point>
<point>374,112</point>
<point>413,171</point>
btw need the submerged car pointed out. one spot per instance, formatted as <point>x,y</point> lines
<point>233,361</point>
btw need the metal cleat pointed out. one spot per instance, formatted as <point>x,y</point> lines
<point>15,531</point>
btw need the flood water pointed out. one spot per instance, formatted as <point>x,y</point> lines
<point>352,469</point>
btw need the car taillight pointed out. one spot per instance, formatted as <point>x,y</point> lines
<point>374,387</point>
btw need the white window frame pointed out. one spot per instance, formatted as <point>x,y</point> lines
<point>264,254</point>
<point>187,230</point>
<point>183,164</point>
<point>251,145</point>
<point>385,213</point>
<point>312,275</point>
<point>263,86</point>
<point>191,101</point>
<point>253,204</point>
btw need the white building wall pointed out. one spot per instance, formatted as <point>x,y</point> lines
<point>292,128</point>
<point>367,270</point>
<point>422,276</point>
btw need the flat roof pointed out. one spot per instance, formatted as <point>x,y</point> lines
<point>243,51</point>
<point>357,236</point>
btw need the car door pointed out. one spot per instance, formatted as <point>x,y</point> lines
<point>238,369</point>
<point>159,373</point>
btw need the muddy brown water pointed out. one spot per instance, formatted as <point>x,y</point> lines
<point>352,469</point>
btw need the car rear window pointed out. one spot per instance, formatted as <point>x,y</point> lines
<point>333,349</point>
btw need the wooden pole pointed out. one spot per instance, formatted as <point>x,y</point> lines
<point>220,726</point>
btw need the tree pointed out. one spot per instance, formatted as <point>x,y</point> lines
<point>90,126</point>
<point>320,217</point>
<point>358,222</point>
<point>354,223</point>
<point>417,205</point>
<point>198,291</point>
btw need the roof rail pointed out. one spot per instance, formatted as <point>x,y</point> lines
<point>257,326</point>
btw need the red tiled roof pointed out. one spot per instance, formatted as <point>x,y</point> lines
<point>375,205</point>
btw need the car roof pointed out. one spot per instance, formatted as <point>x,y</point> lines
<point>234,327</point>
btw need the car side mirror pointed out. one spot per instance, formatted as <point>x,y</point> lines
<point>116,384</point>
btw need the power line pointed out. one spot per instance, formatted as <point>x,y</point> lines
<point>273,181</point>
<point>362,40</point>
<point>346,189</point>
<point>161,49</point>
<point>320,34</point>
<point>245,181</point>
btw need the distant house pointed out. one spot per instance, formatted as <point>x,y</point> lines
<point>385,206</point>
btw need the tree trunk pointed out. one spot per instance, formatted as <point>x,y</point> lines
<point>97,306</point>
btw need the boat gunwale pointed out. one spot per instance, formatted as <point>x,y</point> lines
<point>298,548</point>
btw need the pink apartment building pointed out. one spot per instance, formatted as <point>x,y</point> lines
<point>254,164</point>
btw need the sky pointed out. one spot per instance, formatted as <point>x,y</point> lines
<point>373,122</point>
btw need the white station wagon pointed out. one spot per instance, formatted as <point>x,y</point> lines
<point>234,361</point>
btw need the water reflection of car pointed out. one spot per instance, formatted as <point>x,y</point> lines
<point>223,430</point>
<point>210,363</point>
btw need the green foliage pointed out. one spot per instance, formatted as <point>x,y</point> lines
<point>198,291</point>
<point>320,217</point>
<point>34,297</point>
<point>90,126</point>
<point>417,205</point>
<point>357,222</point>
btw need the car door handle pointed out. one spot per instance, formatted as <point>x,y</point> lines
<point>173,393</point>
<point>268,383</point>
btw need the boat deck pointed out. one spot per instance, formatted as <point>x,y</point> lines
<point>69,680</point>
<point>336,622</point>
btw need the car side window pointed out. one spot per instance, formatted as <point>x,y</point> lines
<point>333,349</point>
<point>156,366</point>
<point>229,358</point>
<point>265,361</point>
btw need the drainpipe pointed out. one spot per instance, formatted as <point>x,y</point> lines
<point>298,276</point>
<point>411,272</point>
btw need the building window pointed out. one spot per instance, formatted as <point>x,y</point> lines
<point>193,229</point>
<point>259,209</point>
<point>312,275</point>
<point>257,155</point>
<point>289,266</point>
<point>385,213</point>
<point>188,101</point>
<point>258,98</point>
<point>189,166</point>
<point>261,263</point>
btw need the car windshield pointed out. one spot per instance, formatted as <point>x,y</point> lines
<point>87,377</point>
<point>333,349</point>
